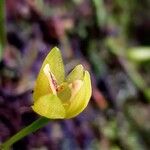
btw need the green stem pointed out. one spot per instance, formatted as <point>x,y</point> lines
<point>2,26</point>
<point>39,123</point>
<point>100,12</point>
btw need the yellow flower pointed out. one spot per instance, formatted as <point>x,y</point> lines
<point>57,97</point>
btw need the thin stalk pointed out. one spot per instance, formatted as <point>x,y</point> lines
<point>2,26</point>
<point>39,123</point>
<point>129,68</point>
<point>100,12</point>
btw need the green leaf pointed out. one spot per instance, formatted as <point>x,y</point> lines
<point>49,106</point>
<point>75,74</point>
<point>81,99</point>
<point>54,59</point>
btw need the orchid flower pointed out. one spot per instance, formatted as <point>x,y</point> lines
<point>59,97</point>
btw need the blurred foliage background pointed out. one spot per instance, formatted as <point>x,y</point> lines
<point>111,38</point>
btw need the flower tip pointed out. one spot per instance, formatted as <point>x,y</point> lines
<point>80,66</point>
<point>55,49</point>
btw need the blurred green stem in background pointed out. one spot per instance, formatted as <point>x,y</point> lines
<point>100,12</point>
<point>2,27</point>
<point>117,48</point>
<point>39,123</point>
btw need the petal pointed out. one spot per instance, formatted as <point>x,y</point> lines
<point>42,86</point>
<point>51,78</point>
<point>75,74</point>
<point>49,106</point>
<point>54,59</point>
<point>80,101</point>
<point>64,93</point>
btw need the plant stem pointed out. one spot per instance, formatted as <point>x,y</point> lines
<point>2,26</point>
<point>39,123</point>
